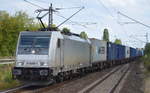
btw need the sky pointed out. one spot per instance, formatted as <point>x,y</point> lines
<point>102,12</point>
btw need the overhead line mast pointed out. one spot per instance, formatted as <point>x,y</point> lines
<point>50,15</point>
<point>50,18</point>
<point>146,37</point>
<point>50,23</point>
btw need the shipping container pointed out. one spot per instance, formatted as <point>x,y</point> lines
<point>111,51</point>
<point>120,52</point>
<point>132,52</point>
<point>99,50</point>
<point>139,52</point>
<point>142,52</point>
<point>127,52</point>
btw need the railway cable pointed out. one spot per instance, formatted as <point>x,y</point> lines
<point>41,1</point>
<point>47,3</point>
<point>134,20</point>
<point>70,17</point>
<point>33,4</point>
<point>50,15</point>
<point>106,8</point>
<point>72,21</point>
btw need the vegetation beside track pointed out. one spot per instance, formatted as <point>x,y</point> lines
<point>10,26</point>
<point>146,60</point>
<point>6,80</point>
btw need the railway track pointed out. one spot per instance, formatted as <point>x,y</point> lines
<point>110,83</point>
<point>28,88</point>
<point>121,80</point>
<point>67,86</point>
<point>35,89</point>
<point>15,89</point>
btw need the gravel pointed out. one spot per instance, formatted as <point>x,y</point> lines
<point>107,85</point>
<point>77,85</point>
<point>135,81</point>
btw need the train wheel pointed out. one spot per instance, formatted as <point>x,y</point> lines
<point>60,77</point>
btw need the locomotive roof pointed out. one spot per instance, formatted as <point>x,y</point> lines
<point>76,38</point>
<point>36,33</point>
<point>71,37</point>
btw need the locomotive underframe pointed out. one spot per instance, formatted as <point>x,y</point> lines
<point>32,74</point>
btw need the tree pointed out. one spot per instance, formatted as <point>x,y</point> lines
<point>10,27</point>
<point>118,41</point>
<point>54,28</point>
<point>106,35</point>
<point>83,35</point>
<point>65,30</point>
<point>147,49</point>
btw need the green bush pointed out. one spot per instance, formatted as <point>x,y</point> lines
<point>6,80</point>
<point>83,35</point>
<point>8,77</point>
<point>146,60</point>
<point>10,27</point>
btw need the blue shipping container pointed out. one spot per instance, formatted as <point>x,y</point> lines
<point>120,52</point>
<point>132,52</point>
<point>111,51</point>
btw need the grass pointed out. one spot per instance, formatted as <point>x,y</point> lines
<point>146,60</point>
<point>147,84</point>
<point>6,80</point>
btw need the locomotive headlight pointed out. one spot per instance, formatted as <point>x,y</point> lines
<point>43,64</point>
<point>20,63</point>
<point>33,51</point>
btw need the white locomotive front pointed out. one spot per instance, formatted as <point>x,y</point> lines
<point>32,56</point>
<point>44,55</point>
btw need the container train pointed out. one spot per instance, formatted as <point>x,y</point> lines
<point>46,56</point>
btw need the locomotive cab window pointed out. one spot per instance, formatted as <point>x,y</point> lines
<point>34,44</point>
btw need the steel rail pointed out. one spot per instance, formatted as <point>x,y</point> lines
<point>101,80</point>
<point>15,89</point>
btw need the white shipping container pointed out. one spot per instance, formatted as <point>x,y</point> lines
<point>127,52</point>
<point>99,50</point>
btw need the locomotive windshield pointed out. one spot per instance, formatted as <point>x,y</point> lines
<point>34,44</point>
